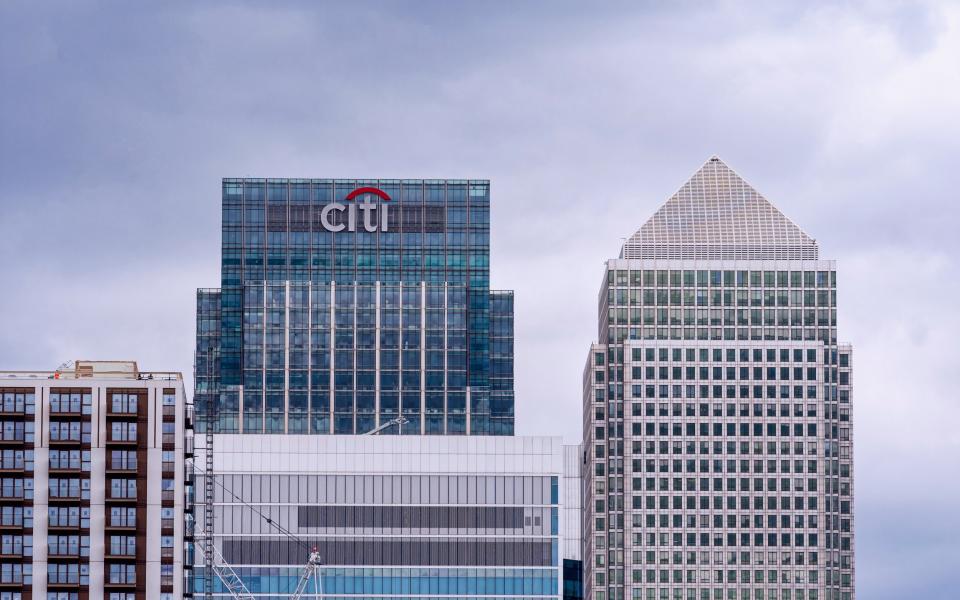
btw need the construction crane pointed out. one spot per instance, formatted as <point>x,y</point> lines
<point>238,590</point>
<point>310,571</point>
<point>398,422</point>
<point>224,571</point>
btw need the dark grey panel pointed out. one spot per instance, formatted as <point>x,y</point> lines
<point>443,517</point>
<point>392,552</point>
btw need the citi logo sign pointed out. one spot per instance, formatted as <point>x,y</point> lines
<point>373,215</point>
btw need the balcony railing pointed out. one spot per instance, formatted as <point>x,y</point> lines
<point>127,463</point>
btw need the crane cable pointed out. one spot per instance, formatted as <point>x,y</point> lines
<point>399,421</point>
<point>270,521</point>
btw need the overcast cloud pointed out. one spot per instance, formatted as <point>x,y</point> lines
<point>117,121</point>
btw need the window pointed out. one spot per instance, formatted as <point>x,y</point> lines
<point>122,573</point>
<point>123,404</point>
<point>123,517</point>
<point>123,545</point>
<point>70,402</point>
<point>123,432</point>
<point>123,488</point>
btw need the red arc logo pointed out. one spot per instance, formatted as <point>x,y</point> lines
<point>368,190</point>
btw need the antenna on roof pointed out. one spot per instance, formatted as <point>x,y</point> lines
<point>66,366</point>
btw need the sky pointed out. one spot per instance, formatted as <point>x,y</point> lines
<point>118,120</point>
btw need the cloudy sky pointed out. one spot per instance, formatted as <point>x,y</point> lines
<point>117,121</point>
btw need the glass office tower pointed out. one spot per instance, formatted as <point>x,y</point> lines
<point>345,304</point>
<point>717,409</point>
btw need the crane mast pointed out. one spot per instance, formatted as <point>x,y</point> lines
<point>310,571</point>
<point>225,573</point>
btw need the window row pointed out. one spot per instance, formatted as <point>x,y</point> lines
<point>440,583</point>
<point>77,460</point>
<point>17,402</point>
<point>725,429</point>
<point>16,516</point>
<point>69,487</point>
<point>719,540</point>
<point>68,545</point>
<point>730,409</point>
<point>68,516</point>
<point>720,466</point>
<point>16,545</point>
<point>16,488</point>
<point>726,278</point>
<point>716,299</point>
<point>70,431</point>
<point>726,521</point>
<point>360,297</point>
<point>16,573</point>
<point>722,374</point>
<point>17,431</point>
<point>827,335</point>
<point>16,459</point>
<point>387,489</point>
<point>123,404</point>
<point>277,361</point>
<point>704,392</point>
<point>797,355</point>
<point>71,402</point>
<point>68,573</point>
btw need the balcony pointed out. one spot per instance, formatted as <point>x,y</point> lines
<point>122,490</point>
<point>122,405</point>
<point>124,519</point>
<point>126,464</point>
<point>122,440</point>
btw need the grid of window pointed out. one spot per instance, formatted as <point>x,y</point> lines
<point>69,489</point>
<point>74,426</point>
<point>341,358</point>
<point>716,403</point>
<point>17,409</point>
<point>168,468</point>
<point>715,304</point>
<point>124,531</point>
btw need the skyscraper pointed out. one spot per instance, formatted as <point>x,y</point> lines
<point>345,304</point>
<point>717,409</point>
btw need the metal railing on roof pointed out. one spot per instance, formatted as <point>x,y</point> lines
<point>141,376</point>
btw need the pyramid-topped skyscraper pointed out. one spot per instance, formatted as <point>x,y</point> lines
<point>718,215</point>
<point>718,440</point>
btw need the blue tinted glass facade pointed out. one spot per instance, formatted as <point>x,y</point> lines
<point>572,579</point>
<point>346,303</point>
<point>501,362</point>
